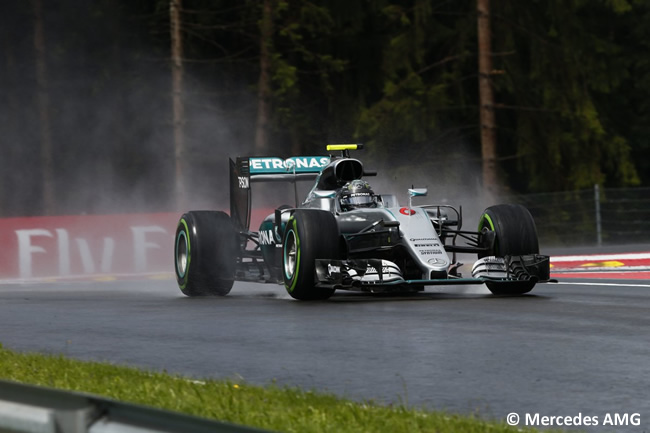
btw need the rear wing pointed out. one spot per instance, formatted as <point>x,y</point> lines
<point>246,170</point>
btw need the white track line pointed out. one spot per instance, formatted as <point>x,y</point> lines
<point>89,278</point>
<point>595,283</point>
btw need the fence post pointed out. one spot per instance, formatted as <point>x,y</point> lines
<point>599,233</point>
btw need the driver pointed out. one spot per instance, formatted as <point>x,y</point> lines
<point>357,194</point>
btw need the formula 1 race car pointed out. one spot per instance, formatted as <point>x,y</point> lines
<point>343,236</point>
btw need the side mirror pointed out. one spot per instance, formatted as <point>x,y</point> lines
<point>418,192</point>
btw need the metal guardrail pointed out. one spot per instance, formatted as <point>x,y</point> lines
<point>34,409</point>
<point>594,216</point>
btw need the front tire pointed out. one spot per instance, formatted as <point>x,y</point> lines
<point>309,235</point>
<point>515,235</point>
<point>204,253</point>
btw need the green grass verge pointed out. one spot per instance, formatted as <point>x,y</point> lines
<point>273,407</point>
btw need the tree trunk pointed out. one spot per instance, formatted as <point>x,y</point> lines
<point>486,98</point>
<point>43,102</point>
<point>9,151</point>
<point>264,85</point>
<point>177,100</point>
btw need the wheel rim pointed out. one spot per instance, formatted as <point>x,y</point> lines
<point>290,255</point>
<point>485,218</point>
<point>486,224</point>
<point>181,254</point>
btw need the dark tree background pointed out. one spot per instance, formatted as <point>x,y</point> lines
<point>571,81</point>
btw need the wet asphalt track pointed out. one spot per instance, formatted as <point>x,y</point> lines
<point>563,350</point>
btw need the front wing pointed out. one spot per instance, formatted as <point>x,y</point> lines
<point>375,274</point>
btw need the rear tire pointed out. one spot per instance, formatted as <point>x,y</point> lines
<point>309,235</point>
<point>515,235</point>
<point>205,248</point>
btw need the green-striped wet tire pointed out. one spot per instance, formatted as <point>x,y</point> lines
<point>515,235</point>
<point>309,235</point>
<point>204,253</point>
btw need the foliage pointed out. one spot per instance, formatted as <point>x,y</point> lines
<point>571,81</point>
<point>562,65</point>
<point>425,63</point>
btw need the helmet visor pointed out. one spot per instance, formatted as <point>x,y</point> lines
<point>362,199</point>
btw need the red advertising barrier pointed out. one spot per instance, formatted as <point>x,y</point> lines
<point>86,245</point>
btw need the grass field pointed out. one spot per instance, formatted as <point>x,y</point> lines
<point>272,407</point>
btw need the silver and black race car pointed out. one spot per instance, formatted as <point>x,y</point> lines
<point>343,236</point>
